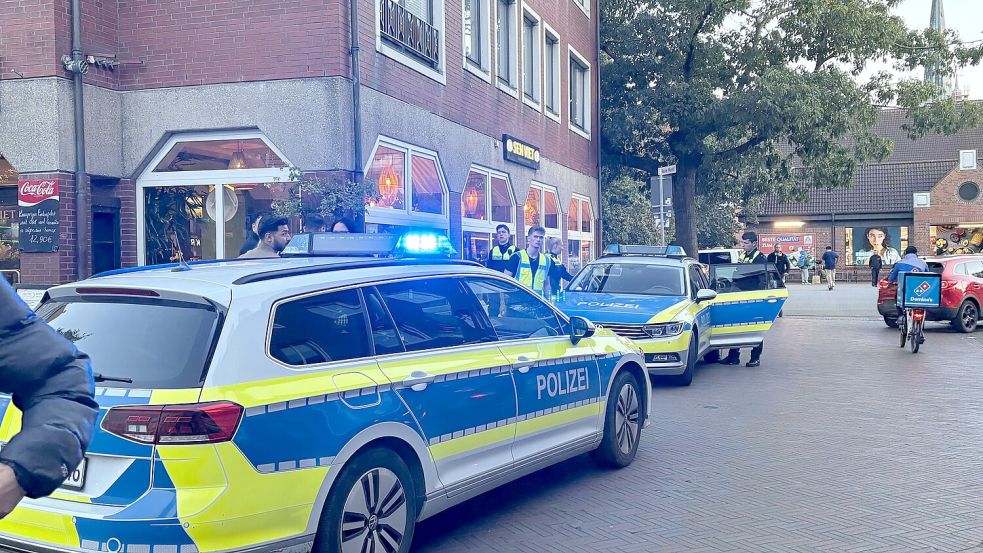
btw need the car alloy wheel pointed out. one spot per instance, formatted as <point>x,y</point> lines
<point>375,513</point>
<point>626,418</point>
<point>970,316</point>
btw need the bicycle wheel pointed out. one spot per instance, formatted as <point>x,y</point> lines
<point>903,327</point>
<point>916,336</point>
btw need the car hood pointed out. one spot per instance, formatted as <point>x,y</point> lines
<point>618,308</point>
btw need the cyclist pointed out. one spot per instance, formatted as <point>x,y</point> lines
<point>908,264</point>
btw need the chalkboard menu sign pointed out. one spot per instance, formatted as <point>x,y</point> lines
<point>39,206</point>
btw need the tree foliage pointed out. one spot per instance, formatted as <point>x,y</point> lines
<point>740,93</point>
<point>330,198</point>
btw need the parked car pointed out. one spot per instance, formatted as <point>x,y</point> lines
<point>962,293</point>
<point>720,256</point>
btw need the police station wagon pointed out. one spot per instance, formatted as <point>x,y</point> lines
<point>330,402</point>
<point>674,310</point>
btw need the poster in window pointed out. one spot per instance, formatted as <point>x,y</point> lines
<point>864,242</point>
<point>39,205</point>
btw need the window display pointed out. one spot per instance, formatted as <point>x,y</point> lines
<point>886,241</point>
<point>965,238</point>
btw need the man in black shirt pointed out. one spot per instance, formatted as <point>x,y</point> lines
<point>503,250</point>
<point>749,243</point>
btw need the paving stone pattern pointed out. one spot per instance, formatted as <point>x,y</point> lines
<point>840,441</point>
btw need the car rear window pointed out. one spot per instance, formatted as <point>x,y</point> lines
<point>936,268</point>
<point>715,258</point>
<point>159,344</point>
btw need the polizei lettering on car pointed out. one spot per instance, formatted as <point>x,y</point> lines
<point>560,383</point>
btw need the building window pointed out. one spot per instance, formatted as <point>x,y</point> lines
<point>476,29</point>
<point>580,238</point>
<point>506,38</point>
<point>410,187</point>
<point>543,208</point>
<point>412,33</point>
<point>532,56</point>
<point>479,216</point>
<point>580,112</point>
<point>551,76</point>
<point>421,8</point>
<point>584,6</point>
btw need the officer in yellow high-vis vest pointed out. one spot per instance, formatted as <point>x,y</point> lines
<point>503,250</point>
<point>532,266</point>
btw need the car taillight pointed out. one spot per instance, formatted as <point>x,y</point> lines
<point>946,284</point>
<point>884,283</point>
<point>204,423</point>
<point>918,315</point>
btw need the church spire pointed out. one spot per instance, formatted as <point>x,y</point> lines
<point>932,72</point>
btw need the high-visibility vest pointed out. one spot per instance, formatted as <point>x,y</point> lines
<point>525,275</point>
<point>745,258</point>
<point>498,254</point>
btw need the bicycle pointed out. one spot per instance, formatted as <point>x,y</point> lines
<point>916,336</point>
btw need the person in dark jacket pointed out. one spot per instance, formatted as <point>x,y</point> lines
<point>51,383</point>
<point>554,249</point>
<point>875,268</point>
<point>503,250</point>
<point>781,261</point>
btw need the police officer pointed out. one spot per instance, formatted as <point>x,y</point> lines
<point>531,266</point>
<point>502,251</point>
<point>749,243</point>
<point>51,383</point>
<point>554,249</point>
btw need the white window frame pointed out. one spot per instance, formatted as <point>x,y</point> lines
<point>488,226</point>
<point>574,55</point>
<point>406,216</point>
<point>484,70</point>
<point>578,234</point>
<point>585,7</point>
<point>543,188</point>
<point>149,179</point>
<point>513,52</point>
<point>537,47</point>
<point>439,73</point>
<point>549,32</point>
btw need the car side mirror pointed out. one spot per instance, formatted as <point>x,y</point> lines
<point>705,294</point>
<point>581,328</point>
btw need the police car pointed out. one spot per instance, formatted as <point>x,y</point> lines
<point>672,307</point>
<point>319,401</point>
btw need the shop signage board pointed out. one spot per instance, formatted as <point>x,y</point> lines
<point>39,205</point>
<point>789,243</point>
<point>520,152</point>
<point>414,35</point>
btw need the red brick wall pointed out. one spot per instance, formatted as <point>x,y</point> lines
<point>126,191</point>
<point>470,101</point>
<point>947,208</point>
<point>28,42</point>
<point>184,43</point>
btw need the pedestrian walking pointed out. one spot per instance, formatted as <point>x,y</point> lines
<point>531,266</point>
<point>829,265</point>
<point>51,381</point>
<point>781,261</point>
<point>875,269</point>
<point>502,251</point>
<point>749,243</point>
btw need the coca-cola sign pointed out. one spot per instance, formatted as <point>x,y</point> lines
<point>40,207</point>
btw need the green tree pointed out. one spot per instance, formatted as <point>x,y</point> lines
<point>334,197</point>
<point>735,91</point>
<point>627,209</point>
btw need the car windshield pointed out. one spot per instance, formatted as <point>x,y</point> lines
<point>630,278</point>
<point>156,344</point>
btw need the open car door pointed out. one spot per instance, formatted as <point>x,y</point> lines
<point>749,297</point>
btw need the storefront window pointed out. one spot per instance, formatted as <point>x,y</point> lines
<point>479,218</point>
<point>586,218</point>
<point>9,215</point>
<point>476,246</point>
<point>473,204</point>
<point>579,225</point>
<point>178,224</point>
<point>552,213</point>
<point>965,238</point>
<point>503,206</point>
<point>388,172</point>
<point>219,155</point>
<point>573,256</point>
<point>428,193</point>
<point>543,208</point>
<point>244,203</point>
<point>863,242</point>
<point>532,208</point>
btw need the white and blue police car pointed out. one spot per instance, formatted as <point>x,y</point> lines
<point>328,400</point>
<point>672,307</point>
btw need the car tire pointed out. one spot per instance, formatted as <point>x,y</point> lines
<point>623,419</point>
<point>372,506</point>
<point>891,321</point>
<point>967,318</point>
<point>686,378</point>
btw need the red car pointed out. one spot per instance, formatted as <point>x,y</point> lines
<point>962,293</point>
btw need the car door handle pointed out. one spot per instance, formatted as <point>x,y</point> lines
<point>523,364</point>
<point>418,381</point>
<point>772,299</point>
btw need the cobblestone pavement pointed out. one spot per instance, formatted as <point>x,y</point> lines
<point>840,441</point>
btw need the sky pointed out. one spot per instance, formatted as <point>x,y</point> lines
<point>964,17</point>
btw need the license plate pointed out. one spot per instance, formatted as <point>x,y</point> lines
<point>76,480</point>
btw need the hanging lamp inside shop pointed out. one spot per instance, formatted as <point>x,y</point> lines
<point>238,160</point>
<point>388,186</point>
<point>471,202</point>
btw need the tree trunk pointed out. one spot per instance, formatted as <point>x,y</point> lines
<point>684,206</point>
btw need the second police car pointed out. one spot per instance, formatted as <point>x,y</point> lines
<point>323,401</point>
<point>672,308</point>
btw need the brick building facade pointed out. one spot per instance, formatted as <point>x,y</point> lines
<point>186,99</point>
<point>918,196</point>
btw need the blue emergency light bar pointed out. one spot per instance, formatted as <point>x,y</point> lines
<point>636,249</point>
<point>345,244</point>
